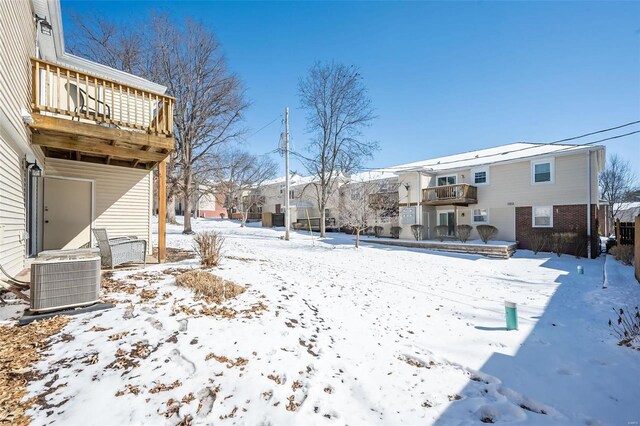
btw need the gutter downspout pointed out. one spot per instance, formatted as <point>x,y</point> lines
<point>418,201</point>
<point>589,205</point>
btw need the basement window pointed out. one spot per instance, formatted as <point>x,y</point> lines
<point>542,217</point>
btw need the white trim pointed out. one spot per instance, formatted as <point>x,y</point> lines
<point>93,200</point>
<point>533,217</point>
<point>480,170</point>
<point>552,170</point>
<point>473,216</point>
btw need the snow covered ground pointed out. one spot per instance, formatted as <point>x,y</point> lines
<point>376,335</point>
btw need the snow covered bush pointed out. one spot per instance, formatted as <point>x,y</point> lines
<point>208,245</point>
<point>560,242</point>
<point>627,326</point>
<point>442,231</point>
<point>395,231</point>
<point>623,254</point>
<point>486,232</point>
<point>463,232</point>
<point>377,231</point>
<point>416,230</point>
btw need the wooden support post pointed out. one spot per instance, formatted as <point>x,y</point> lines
<point>162,210</point>
<point>636,242</point>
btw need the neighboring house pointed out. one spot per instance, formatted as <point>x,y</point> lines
<point>78,140</point>
<point>303,201</point>
<point>207,202</point>
<point>627,212</point>
<point>518,188</point>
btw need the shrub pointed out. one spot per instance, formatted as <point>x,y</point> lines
<point>210,287</point>
<point>442,231</point>
<point>486,232</point>
<point>463,232</point>
<point>416,230</point>
<point>623,253</point>
<point>538,239</point>
<point>377,230</point>
<point>560,241</point>
<point>395,231</point>
<point>580,246</point>
<point>627,326</point>
<point>208,245</point>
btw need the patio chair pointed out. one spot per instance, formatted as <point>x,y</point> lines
<point>78,97</point>
<point>118,251</point>
<point>9,284</point>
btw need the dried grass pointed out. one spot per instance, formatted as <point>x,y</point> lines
<point>208,245</point>
<point>209,287</point>
<point>20,347</point>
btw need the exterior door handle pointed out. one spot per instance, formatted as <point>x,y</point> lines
<point>46,221</point>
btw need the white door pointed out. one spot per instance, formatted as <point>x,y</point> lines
<point>67,213</point>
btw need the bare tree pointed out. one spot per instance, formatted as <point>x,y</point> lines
<point>245,174</point>
<point>364,204</point>
<point>122,47</point>
<point>338,108</point>
<point>616,182</point>
<point>186,58</point>
<point>209,98</point>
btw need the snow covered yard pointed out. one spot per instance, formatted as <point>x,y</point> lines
<point>329,334</point>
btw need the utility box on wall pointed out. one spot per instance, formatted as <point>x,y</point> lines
<point>407,215</point>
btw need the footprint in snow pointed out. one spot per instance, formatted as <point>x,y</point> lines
<point>178,359</point>
<point>566,372</point>
<point>155,323</point>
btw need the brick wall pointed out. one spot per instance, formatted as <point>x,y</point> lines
<point>566,218</point>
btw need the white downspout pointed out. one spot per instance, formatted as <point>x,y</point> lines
<point>589,205</point>
<point>418,201</point>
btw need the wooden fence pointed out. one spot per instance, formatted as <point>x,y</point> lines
<point>625,232</point>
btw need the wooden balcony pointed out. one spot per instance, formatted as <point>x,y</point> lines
<point>458,195</point>
<point>79,116</point>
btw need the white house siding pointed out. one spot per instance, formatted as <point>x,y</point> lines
<point>12,209</point>
<point>17,45</point>
<point>121,195</point>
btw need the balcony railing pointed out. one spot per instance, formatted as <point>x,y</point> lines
<point>67,92</point>
<point>460,194</point>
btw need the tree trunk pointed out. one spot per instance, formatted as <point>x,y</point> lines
<point>187,203</point>
<point>357,237</point>
<point>171,210</point>
<point>322,222</point>
<point>243,220</point>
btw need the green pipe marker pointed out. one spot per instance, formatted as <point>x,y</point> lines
<point>511,311</point>
<point>580,270</point>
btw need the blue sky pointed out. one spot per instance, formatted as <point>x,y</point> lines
<point>444,77</point>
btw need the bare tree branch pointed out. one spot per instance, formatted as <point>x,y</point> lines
<point>338,108</point>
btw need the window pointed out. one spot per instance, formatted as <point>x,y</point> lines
<point>446,180</point>
<point>480,176</point>
<point>480,216</point>
<point>291,194</point>
<point>542,217</point>
<point>542,171</point>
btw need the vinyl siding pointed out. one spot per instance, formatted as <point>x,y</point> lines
<point>12,210</point>
<point>122,200</point>
<point>17,45</point>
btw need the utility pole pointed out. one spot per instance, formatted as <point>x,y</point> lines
<point>286,166</point>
